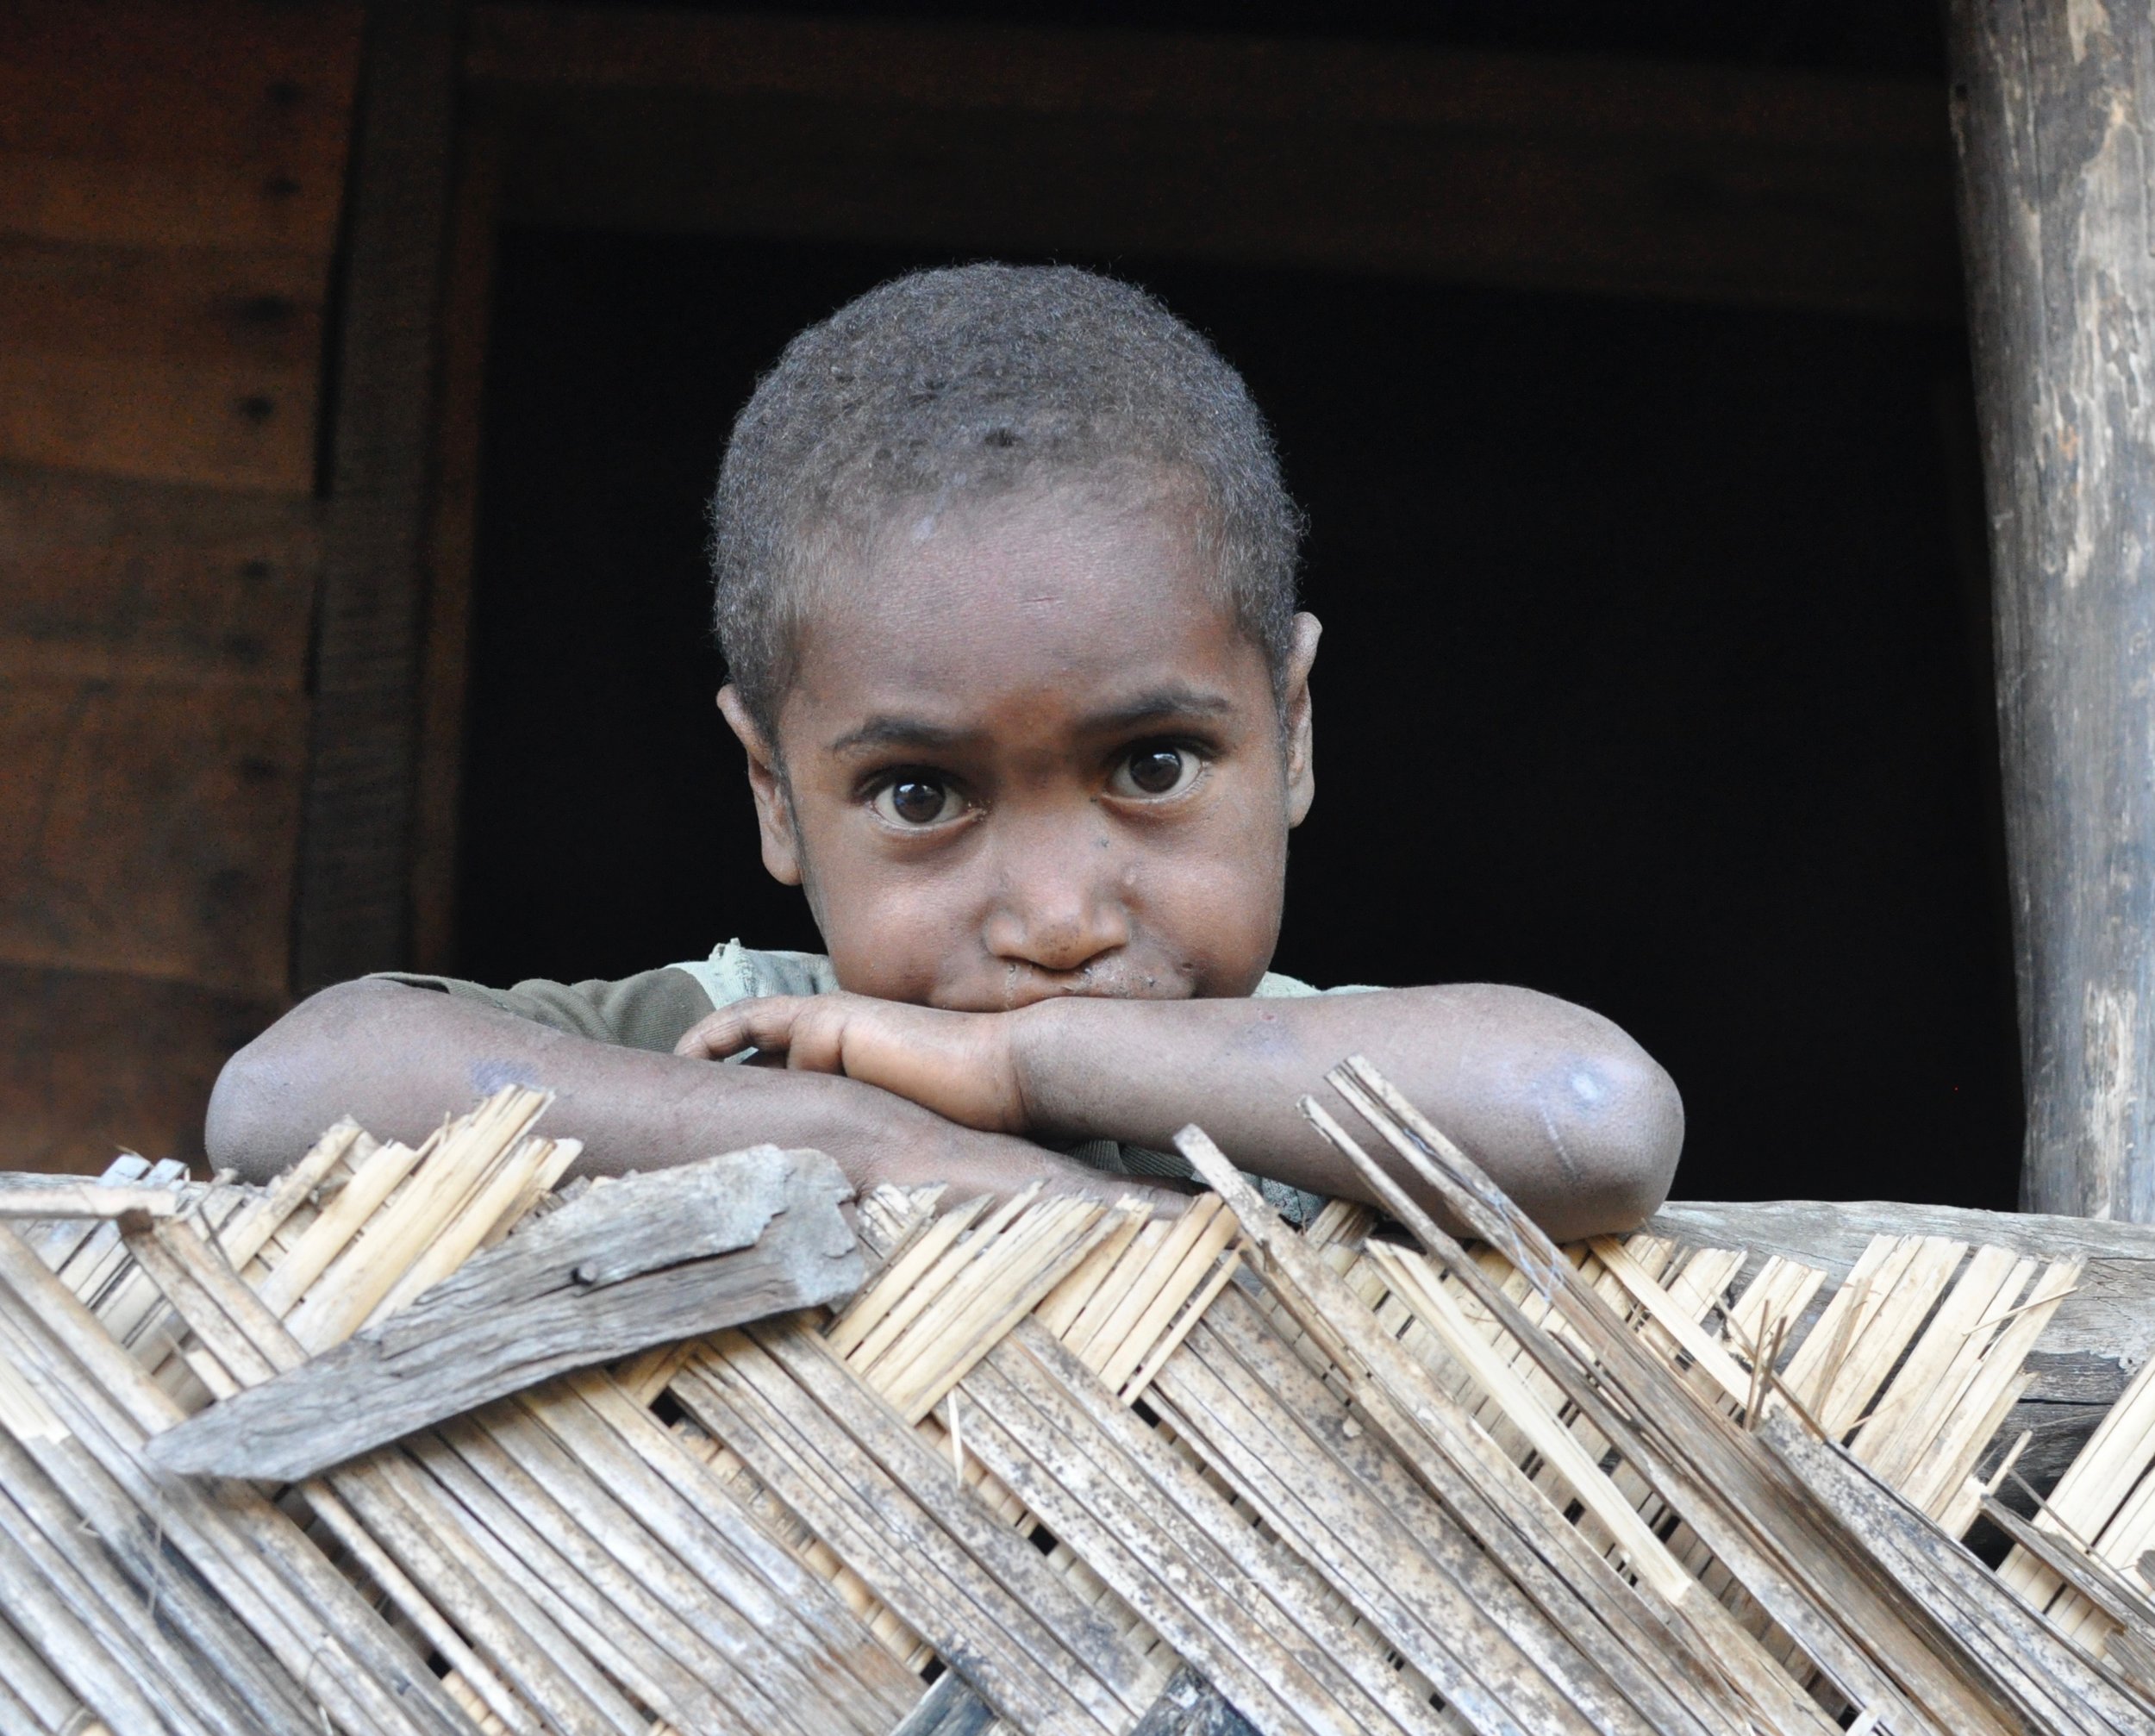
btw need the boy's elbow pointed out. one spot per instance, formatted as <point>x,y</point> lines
<point>258,1121</point>
<point>1615,1122</point>
<point>235,1132</point>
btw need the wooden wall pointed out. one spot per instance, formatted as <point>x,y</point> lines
<point>172,173</point>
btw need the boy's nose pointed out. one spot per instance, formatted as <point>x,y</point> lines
<point>1055,919</point>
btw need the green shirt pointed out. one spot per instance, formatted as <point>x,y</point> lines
<point>655,1008</point>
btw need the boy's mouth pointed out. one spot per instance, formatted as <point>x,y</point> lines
<point>1115,979</point>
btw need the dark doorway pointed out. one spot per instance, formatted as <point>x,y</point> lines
<point>1651,676</point>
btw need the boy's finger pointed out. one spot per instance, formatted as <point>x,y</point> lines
<point>766,1025</point>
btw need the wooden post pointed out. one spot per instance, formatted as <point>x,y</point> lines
<point>2050,105</point>
<point>353,903</point>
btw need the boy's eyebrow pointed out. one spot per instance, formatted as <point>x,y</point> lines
<point>889,730</point>
<point>1151,708</point>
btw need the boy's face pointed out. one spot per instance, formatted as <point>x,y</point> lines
<point>1028,752</point>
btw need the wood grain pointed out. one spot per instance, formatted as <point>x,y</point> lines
<point>2051,109</point>
<point>144,831</point>
<point>200,122</point>
<point>182,364</point>
<point>353,911</point>
<point>1694,182</point>
<point>92,1062</point>
<point>138,582</point>
<point>467,307</point>
<point>652,1259</point>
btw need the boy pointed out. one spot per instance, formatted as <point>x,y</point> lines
<point>1005,586</point>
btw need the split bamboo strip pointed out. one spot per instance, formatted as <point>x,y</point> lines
<point>2095,1487</point>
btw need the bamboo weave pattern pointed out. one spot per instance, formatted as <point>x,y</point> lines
<point>1075,1458</point>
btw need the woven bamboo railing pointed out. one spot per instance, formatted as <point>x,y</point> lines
<point>1079,1469</point>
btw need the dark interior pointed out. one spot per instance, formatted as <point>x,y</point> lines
<point>1656,671</point>
<point>1654,674</point>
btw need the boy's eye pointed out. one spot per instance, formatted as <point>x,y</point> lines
<point>913,800</point>
<point>1155,772</point>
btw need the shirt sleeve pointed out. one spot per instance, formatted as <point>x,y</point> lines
<point>650,1010</point>
<point>1273,986</point>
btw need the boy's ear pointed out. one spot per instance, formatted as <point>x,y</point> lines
<point>1301,766</point>
<point>774,811</point>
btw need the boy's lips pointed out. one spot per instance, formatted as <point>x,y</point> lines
<point>1026,985</point>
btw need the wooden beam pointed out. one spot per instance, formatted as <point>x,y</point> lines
<point>2051,105</point>
<point>656,1258</point>
<point>1791,189</point>
<point>2101,1335</point>
<point>353,909</point>
<point>466,318</point>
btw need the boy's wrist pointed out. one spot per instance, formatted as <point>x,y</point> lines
<point>1042,1038</point>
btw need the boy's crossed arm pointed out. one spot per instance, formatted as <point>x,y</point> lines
<point>1569,1115</point>
<point>396,1058</point>
<point>1565,1111</point>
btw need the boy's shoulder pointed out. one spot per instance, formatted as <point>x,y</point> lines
<point>653,1009</point>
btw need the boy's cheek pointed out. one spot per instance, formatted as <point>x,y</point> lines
<point>1203,915</point>
<point>894,948</point>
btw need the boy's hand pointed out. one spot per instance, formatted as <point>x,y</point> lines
<point>962,1065</point>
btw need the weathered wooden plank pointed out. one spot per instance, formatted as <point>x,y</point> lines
<point>652,1259</point>
<point>2101,1331</point>
<point>150,830</point>
<point>215,123</point>
<point>352,912</point>
<point>2051,106</point>
<point>95,1062</point>
<point>181,365</point>
<point>400,1511</point>
<point>1688,181</point>
<point>107,580</point>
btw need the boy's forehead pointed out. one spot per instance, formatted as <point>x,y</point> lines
<point>1005,617</point>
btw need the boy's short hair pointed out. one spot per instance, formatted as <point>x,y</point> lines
<point>969,383</point>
